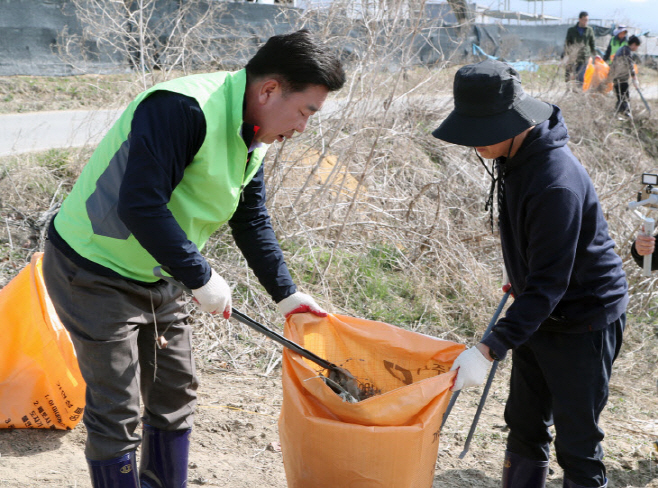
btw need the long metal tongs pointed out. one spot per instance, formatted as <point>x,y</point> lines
<point>337,374</point>
<point>485,392</point>
<point>644,101</point>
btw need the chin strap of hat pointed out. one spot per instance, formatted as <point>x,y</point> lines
<point>496,173</point>
<point>488,205</point>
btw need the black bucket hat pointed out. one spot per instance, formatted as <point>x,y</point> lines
<point>490,106</point>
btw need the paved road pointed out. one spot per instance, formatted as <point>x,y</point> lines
<point>39,131</point>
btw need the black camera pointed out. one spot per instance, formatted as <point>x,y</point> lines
<point>649,188</point>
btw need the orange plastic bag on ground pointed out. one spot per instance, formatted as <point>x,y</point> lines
<point>40,382</point>
<point>390,440</point>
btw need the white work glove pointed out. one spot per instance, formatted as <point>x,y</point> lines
<point>300,303</point>
<point>472,368</point>
<point>636,82</point>
<point>214,296</point>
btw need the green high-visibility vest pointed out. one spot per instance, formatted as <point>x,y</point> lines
<point>615,44</point>
<point>205,198</point>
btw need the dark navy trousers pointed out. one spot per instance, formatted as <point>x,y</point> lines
<point>562,379</point>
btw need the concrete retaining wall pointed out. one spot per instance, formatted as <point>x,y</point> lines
<point>30,35</point>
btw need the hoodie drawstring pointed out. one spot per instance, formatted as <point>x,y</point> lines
<point>497,173</point>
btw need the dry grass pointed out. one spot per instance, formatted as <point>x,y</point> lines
<point>20,94</point>
<point>377,218</point>
<point>380,220</point>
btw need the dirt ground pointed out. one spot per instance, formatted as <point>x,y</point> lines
<point>234,442</point>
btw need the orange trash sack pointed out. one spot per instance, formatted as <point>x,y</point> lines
<point>388,440</point>
<point>40,381</point>
<point>596,76</point>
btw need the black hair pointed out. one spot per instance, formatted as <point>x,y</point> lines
<point>583,14</point>
<point>297,60</point>
<point>634,40</point>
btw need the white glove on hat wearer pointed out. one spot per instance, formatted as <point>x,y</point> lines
<point>300,303</point>
<point>214,296</point>
<point>473,368</point>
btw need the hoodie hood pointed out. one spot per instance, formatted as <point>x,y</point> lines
<point>548,135</point>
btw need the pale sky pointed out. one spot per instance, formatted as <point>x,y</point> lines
<point>642,14</point>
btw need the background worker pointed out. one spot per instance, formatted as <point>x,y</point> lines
<point>184,158</point>
<point>579,47</point>
<point>621,69</point>
<point>617,41</point>
<point>566,322</point>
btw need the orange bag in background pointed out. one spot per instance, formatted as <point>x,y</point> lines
<point>40,382</point>
<point>596,76</point>
<point>587,77</point>
<point>390,440</point>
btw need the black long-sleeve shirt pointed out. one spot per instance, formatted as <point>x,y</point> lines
<point>167,131</point>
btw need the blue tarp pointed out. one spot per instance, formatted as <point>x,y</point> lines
<point>517,65</point>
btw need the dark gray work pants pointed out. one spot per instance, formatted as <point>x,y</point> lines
<point>623,96</point>
<point>112,327</point>
<point>562,379</point>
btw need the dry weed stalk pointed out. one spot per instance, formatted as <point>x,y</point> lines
<point>155,39</point>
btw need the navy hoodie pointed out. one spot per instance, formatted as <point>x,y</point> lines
<point>565,274</point>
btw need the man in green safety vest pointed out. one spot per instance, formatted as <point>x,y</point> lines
<point>184,158</point>
<point>618,40</point>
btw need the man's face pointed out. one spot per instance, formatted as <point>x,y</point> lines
<point>622,34</point>
<point>582,22</point>
<point>283,113</point>
<point>495,151</point>
<point>633,47</point>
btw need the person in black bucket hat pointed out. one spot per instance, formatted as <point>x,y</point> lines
<point>490,106</point>
<point>566,323</point>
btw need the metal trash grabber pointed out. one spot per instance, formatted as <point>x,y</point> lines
<point>476,418</point>
<point>644,101</point>
<point>338,375</point>
<point>492,322</point>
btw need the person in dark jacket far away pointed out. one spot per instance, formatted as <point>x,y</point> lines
<point>184,158</point>
<point>566,323</point>
<point>621,69</point>
<point>579,47</point>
